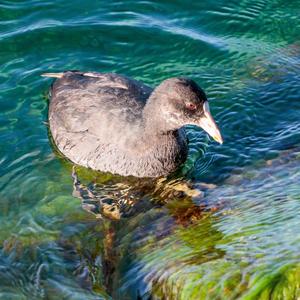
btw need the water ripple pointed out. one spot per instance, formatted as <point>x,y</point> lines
<point>209,232</point>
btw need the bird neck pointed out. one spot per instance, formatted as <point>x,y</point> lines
<point>153,122</point>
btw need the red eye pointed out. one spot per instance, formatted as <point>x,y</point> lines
<point>191,106</point>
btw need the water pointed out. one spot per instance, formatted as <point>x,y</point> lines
<point>233,233</point>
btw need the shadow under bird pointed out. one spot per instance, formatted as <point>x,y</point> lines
<point>112,123</point>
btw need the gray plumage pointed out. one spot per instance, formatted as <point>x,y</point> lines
<point>112,123</point>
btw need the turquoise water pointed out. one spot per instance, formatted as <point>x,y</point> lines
<point>233,233</point>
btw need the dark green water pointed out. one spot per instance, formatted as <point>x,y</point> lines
<point>239,238</point>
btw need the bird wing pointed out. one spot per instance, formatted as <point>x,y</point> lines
<point>88,101</point>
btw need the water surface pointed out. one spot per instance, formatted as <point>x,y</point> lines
<point>233,233</point>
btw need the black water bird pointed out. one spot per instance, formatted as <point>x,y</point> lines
<point>113,123</point>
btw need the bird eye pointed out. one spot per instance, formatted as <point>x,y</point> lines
<point>191,106</point>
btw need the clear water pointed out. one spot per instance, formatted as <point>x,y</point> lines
<point>233,234</point>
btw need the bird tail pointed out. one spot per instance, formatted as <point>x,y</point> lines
<point>53,75</point>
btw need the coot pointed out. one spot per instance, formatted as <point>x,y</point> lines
<point>116,124</point>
